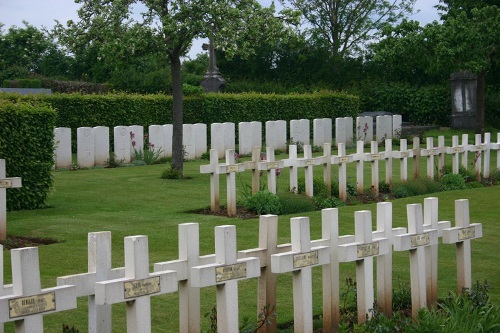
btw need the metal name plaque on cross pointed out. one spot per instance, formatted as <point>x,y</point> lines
<point>376,157</point>
<point>232,168</point>
<point>458,149</point>
<point>420,240</point>
<point>466,233</point>
<point>272,165</point>
<point>305,259</point>
<point>404,154</point>
<point>368,250</point>
<point>142,287</point>
<point>344,160</point>
<point>230,272</point>
<point>30,305</point>
<point>309,162</point>
<point>5,183</point>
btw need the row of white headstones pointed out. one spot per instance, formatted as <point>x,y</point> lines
<point>25,303</point>
<point>459,153</point>
<point>93,142</point>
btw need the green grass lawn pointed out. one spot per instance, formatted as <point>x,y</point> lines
<point>136,201</point>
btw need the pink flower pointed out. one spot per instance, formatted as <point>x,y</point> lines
<point>132,135</point>
<point>278,172</point>
<point>133,143</point>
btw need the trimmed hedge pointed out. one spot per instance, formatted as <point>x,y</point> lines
<point>26,144</point>
<point>76,110</point>
<point>22,83</point>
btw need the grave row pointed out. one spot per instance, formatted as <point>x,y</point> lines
<point>93,142</point>
<point>25,303</point>
<point>458,152</point>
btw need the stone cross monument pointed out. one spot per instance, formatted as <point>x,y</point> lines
<point>212,81</point>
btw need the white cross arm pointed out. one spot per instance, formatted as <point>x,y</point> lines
<point>14,182</point>
<point>382,233</point>
<point>261,253</point>
<point>85,282</point>
<point>291,261</point>
<point>407,242</point>
<point>307,162</point>
<point>455,150</point>
<point>402,154</point>
<point>479,147</point>
<point>342,159</point>
<point>221,169</point>
<point>264,165</point>
<point>357,251</point>
<point>374,157</point>
<point>181,266</point>
<point>214,274</point>
<point>495,146</point>
<point>430,152</point>
<point>441,226</point>
<point>126,289</point>
<point>459,234</point>
<point>17,307</point>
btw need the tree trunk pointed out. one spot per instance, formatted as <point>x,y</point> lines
<point>480,93</point>
<point>177,148</point>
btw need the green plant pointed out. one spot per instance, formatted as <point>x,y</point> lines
<point>148,155</point>
<point>171,173</point>
<point>412,187</point>
<point>264,202</point>
<point>292,203</point>
<point>452,181</point>
<point>68,329</point>
<point>330,202</point>
<point>495,176</point>
<point>111,162</point>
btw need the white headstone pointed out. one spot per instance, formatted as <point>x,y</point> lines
<point>62,147</point>
<point>344,130</point>
<point>217,139</point>
<point>189,141</point>
<point>364,129</point>
<point>256,134</point>
<point>136,133</point>
<point>168,132</point>
<point>157,138</point>
<point>101,145</point>
<point>397,126</point>
<point>200,146</point>
<point>245,138</point>
<point>85,147</point>
<point>229,136</point>
<point>299,131</point>
<point>122,144</point>
<point>214,170</point>
<point>384,128</point>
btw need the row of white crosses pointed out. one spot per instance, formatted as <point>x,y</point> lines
<point>25,302</point>
<point>294,162</point>
<point>5,183</point>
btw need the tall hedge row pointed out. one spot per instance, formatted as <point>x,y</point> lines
<point>26,144</point>
<point>76,110</point>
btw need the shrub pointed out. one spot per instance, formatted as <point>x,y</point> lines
<point>292,203</point>
<point>264,202</point>
<point>414,187</point>
<point>27,145</point>
<point>452,181</point>
<point>171,173</point>
<point>331,202</point>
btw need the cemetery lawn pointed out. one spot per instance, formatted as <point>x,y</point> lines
<point>135,201</point>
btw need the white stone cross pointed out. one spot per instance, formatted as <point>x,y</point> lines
<point>28,303</point>
<point>300,261</point>
<point>362,252</point>
<point>456,150</point>
<point>478,148</point>
<point>270,165</point>
<point>268,245</point>
<point>388,161</point>
<point>342,159</point>
<point>496,146</point>
<point>416,157</point>
<point>137,287</point>
<point>291,163</point>
<point>403,154</point>
<point>487,155</point>
<point>465,155</point>
<point>189,256</point>
<point>99,269</point>
<point>307,162</point>
<point>215,169</point>
<point>326,160</point>
<point>359,157</point>
<point>461,235</point>
<point>415,241</point>
<point>431,252</point>
<point>432,151</point>
<point>374,157</point>
<point>5,183</point>
<point>254,166</point>
<point>384,262</point>
<point>225,274</point>
<point>4,289</point>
